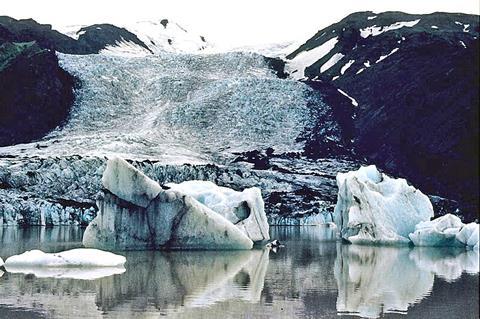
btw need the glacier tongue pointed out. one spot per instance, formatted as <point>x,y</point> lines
<point>375,208</point>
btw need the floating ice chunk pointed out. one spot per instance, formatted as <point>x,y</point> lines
<point>306,58</point>
<point>374,208</point>
<point>331,62</point>
<point>374,30</point>
<point>128,183</point>
<point>438,232</point>
<point>80,257</point>
<point>447,230</point>
<point>346,66</point>
<point>244,209</point>
<point>170,220</point>
<point>468,235</point>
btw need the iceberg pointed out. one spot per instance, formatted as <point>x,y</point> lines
<point>80,257</point>
<point>447,230</point>
<point>140,214</point>
<point>373,208</point>
<point>244,209</point>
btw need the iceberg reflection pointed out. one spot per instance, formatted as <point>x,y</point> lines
<point>376,280</point>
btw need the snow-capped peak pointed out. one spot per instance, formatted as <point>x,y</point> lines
<point>164,35</point>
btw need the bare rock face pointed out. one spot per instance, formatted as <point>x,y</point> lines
<point>135,213</point>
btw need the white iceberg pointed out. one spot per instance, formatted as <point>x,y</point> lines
<point>1,262</point>
<point>80,257</point>
<point>172,219</point>
<point>244,209</point>
<point>447,230</point>
<point>374,208</point>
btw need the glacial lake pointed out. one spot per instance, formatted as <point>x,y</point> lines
<point>313,276</point>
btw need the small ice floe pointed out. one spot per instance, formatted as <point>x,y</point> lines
<point>81,263</point>
<point>447,230</point>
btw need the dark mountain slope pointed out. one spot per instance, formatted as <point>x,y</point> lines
<point>415,79</point>
<point>35,93</point>
<point>91,39</point>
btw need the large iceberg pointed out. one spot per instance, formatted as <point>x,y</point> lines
<point>447,230</point>
<point>140,214</point>
<point>374,208</point>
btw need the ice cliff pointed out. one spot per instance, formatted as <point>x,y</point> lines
<point>137,213</point>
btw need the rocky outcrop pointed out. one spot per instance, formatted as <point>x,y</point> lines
<point>413,82</point>
<point>135,214</point>
<point>36,94</point>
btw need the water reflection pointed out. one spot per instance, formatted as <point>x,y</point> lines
<point>312,276</point>
<point>376,280</point>
<point>172,280</point>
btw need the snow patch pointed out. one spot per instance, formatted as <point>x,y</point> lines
<point>296,66</point>
<point>375,30</point>
<point>360,71</point>
<point>434,27</point>
<point>331,62</point>
<point>354,102</point>
<point>463,44</point>
<point>371,18</point>
<point>346,66</point>
<point>383,57</point>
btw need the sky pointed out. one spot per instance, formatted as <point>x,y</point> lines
<point>228,23</point>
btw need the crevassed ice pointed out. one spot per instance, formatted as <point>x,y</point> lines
<point>296,67</point>
<point>178,108</point>
<point>376,30</point>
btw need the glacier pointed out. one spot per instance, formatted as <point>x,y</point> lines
<point>373,208</point>
<point>135,213</point>
<point>177,117</point>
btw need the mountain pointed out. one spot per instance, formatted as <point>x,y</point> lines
<point>36,94</point>
<point>413,83</point>
<point>138,38</point>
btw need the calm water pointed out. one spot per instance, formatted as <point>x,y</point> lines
<point>311,277</point>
